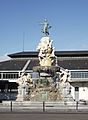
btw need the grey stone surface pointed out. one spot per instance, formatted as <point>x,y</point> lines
<point>44,116</point>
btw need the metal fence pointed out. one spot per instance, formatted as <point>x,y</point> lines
<point>27,106</point>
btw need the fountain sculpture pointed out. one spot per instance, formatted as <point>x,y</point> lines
<point>53,83</point>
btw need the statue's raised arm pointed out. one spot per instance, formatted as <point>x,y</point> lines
<point>46,28</point>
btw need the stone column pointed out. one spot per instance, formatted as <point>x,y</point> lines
<point>76,93</point>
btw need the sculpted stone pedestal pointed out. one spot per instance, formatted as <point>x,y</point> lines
<point>46,52</point>
<point>23,93</point>
<point>24,82</point>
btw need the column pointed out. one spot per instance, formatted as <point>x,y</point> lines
<point>76,93</point>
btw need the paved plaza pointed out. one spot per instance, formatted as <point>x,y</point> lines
<point>43,116</point>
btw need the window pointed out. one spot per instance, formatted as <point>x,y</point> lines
<point>10,75</point>
<point>79,74</point>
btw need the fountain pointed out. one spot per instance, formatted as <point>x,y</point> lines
<point>25,83</point>
<point>53,83</point>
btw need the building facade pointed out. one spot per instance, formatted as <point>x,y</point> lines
<point>75,61</point>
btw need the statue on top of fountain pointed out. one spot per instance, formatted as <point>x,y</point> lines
<point>46,27</point>
<point>46,50</point>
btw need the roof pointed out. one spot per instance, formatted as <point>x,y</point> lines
<point>12,65</point>
<point>74,64</point>
<point>33,62</point>
<point>24,54</point>
<point>57,53</point>
<point>70,63</point>
<point>15,64</point>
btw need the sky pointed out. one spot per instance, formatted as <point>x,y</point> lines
<point>20,24</point>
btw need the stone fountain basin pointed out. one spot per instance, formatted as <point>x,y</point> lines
<point>46,71</point>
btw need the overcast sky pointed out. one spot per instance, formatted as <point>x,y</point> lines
<point>20,21</point>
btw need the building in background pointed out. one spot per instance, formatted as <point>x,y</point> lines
<point>75,61</point>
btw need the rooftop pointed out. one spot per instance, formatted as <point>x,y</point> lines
<point>57,53</point>
<point>66,59</point>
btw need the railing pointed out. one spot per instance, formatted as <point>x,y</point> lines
<point>12,106</point>
<point>75,74</point>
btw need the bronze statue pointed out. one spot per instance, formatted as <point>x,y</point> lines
<point>46,27</point>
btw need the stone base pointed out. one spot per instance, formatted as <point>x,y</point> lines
<point>22,98</point>
<point>45,94</point>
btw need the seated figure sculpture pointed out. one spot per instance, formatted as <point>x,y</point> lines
<point>25,83</point>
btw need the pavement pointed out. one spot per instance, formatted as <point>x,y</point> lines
<point>44,116</point>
